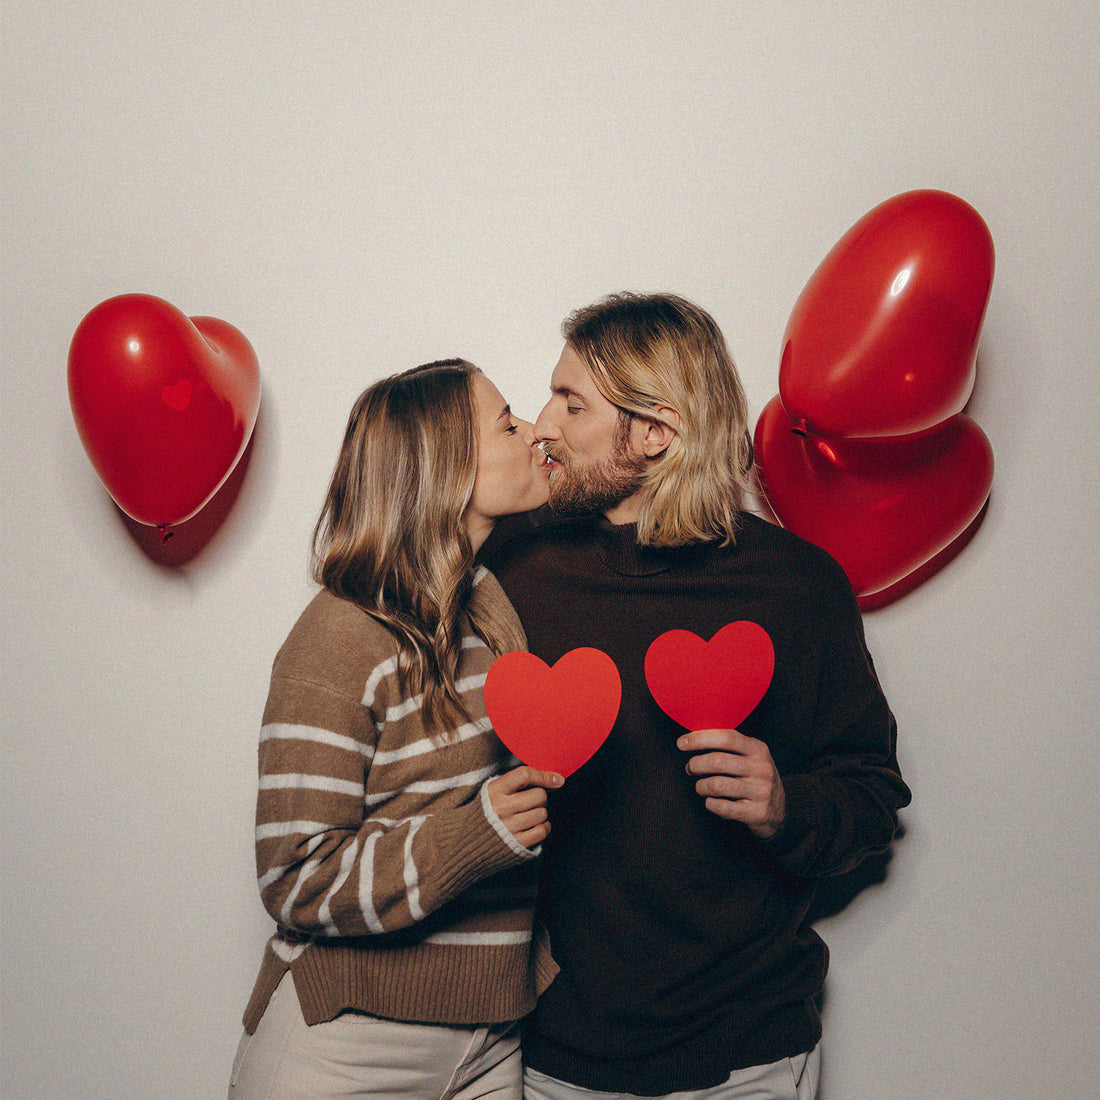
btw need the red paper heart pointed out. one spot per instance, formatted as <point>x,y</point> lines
<point>553,718</point>
<point>164,404</point>
<point>710,685</point>
<point>884,508</point>
<point>881,341</point>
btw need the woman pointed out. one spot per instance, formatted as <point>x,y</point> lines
<point>395,858</point>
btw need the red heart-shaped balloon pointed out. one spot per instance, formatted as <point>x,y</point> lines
<point>553,718</point>
<point>710,685</point>
<point>882,339</point>
<point>882,508</point>
<point>164,404</point>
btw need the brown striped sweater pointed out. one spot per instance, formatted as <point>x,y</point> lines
<point>395,887</point>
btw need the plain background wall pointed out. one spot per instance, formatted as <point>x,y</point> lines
<point>363,186</point>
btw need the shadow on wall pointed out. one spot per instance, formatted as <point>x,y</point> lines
<point>834,894</point>
<point>176,546</point>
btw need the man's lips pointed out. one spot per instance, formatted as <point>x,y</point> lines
<point>550,463</point>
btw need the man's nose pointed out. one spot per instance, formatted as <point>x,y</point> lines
<point>545,428</point>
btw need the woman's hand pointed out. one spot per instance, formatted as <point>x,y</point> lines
<point>519,799</point>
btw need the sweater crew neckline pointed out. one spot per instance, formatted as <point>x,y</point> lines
<point>618,548</point>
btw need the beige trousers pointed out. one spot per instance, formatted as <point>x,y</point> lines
<point>788,1079</point>
<point>357,1056</point>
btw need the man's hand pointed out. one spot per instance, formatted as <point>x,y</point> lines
<point>519,798</point>
<point>740,782</point>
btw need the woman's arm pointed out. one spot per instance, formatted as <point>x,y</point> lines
<point>330,866</point>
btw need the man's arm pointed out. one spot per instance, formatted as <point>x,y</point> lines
<point>820,822</point>
<point>842,804</point>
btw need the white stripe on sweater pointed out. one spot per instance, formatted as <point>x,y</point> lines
<point>415,702</point>
<point>273,874</point>
<point>347,862</point>
<point>297,781</point>
<point>304,874</point>
<point>286,731</point>
<point>412,876</point>
<point>366,885</point>
<point>389,666</point>
<point>474,939</point>
<point>281,829</point>
<point>434,786</point>
<point>427,744</point>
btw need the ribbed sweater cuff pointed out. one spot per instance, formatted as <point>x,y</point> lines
<point>471,847</point>
<point>502,830</point>
<point>794,844</point>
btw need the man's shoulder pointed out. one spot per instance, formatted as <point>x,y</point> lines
<point>774,550</point>
<point>762,532</point>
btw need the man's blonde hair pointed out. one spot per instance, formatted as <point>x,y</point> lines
<point>652,350</point>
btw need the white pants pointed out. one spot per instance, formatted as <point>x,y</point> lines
<point>356,1056</point>
<point>788,1079</point>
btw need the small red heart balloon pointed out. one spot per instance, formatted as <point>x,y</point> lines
<point>710,685</point>
<point>882,508</point>
<point>164,404</point>
<point>882,339</point>
<point>553,718</point>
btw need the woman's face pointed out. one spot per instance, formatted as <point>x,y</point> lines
<point>511,470</point>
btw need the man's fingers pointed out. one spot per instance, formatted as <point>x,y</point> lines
<point>721,807</point>
<point>724,740</point>
<point>735,788</point>
<point>717,763</point>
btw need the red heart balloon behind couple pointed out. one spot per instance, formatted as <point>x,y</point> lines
<point>556,718</point>
<point>164,404</point>
<point>883,471</point>
<point>881,508</point>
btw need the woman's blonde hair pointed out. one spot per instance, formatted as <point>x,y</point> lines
<point>392,537</point>
<point>646,351</point>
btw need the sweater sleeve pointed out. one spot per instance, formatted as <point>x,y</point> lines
<point>844,805</point>
<point>332,860</point>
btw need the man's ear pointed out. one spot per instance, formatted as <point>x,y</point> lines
<point>660,431</point>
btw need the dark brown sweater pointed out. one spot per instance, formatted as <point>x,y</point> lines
<point>682,938</point>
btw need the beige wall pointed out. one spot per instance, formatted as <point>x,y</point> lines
<point>362,186</point>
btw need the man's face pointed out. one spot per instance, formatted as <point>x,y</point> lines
<point>594,466</point>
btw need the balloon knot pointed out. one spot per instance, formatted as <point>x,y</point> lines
<point>165,534</point>
<point>801,428</point>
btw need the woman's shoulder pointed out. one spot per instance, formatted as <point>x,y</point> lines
<point>334,640</point>
<point>487,587</point>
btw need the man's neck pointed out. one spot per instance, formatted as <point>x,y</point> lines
<point>626,511</point>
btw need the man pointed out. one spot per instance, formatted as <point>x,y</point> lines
<point>681,864</point>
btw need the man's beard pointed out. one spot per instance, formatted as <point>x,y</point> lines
<point>600,487</point>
